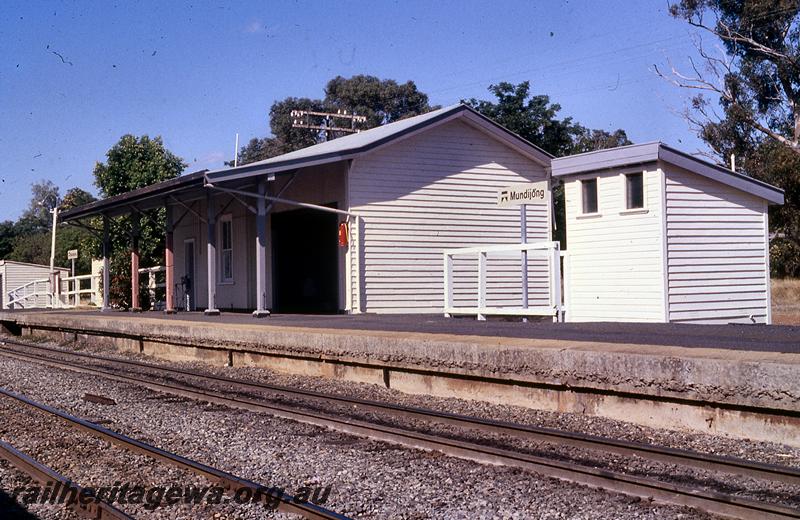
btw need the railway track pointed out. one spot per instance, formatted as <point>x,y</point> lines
<point>99,510</point>
<point>643,487</point>
<point>226,480</point>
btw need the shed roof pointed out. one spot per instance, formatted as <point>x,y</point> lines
<point>353,145</point>
<point>635,154</point>
<point>28,264</point>
<point>343,148</point>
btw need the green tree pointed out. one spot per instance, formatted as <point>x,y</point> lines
<point>8,233</point>
<point>33,231</point>
<point>380,101</point>
<point>135,162</point>
<point>747,100</point>
<point>37,216</point>
<point>535,119</point>
<point>76,197</point>
<point>132,163</point>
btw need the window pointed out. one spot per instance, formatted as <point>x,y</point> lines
<point>634,191</point>
<point>589,195</point>
<point>226,249</point>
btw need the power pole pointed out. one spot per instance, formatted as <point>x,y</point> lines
<point>303,119</point>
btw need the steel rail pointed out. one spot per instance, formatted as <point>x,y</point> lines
<point>226,480</point>
<point>92,508</point>
<point>711,502</point>
<point>666,455</point>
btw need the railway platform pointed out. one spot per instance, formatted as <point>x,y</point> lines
<point>740,380</point>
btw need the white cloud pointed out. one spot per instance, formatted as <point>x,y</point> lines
<point>256,26</point>
<point>211,159</point>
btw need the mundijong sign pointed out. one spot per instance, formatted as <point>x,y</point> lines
<point>532,193</point>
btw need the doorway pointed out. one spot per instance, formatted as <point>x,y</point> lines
<point>187,283</point>
<point>305,261</point>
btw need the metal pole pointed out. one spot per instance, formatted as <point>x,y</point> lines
<point>54,211</point>
<point>523,227</point>
<point>211,260</point>
<point>236,152</point>
<point>53,281</point>
<point>261,253</point>
<point>106,274</point>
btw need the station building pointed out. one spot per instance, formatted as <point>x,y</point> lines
<point>360,224</point>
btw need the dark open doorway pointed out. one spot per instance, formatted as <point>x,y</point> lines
<point>305,261</point>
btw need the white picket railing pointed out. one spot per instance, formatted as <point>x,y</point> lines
<point>35,290</point>
<point>72,289</point>
<point>546,250</point>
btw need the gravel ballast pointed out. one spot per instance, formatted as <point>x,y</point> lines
<point>369,478</point>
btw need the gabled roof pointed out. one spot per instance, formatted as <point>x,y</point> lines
<point>636,154</point>
<point>343,148</point>
<point>351,146</point>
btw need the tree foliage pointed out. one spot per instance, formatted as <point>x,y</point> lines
<point>747,100</point>
<point>30,237</point>
<point>135,162</point>
<point>132,163</point>
<point>380,101</point>
<point>535,118</point>
<point>37,217</point>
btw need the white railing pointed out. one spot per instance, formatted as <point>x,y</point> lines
<point>73,288</point>
<point>36,290</point>
<point>549,251</point>
<point>153,284</point>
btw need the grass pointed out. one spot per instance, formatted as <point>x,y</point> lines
<point>786,301</point>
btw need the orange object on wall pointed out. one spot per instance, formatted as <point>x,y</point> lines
<point>343,234</point>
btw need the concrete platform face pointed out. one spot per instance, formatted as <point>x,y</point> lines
<point>738,380</point>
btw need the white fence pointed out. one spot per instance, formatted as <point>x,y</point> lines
<point>73,289</point>
<point>473,281</point>
<point>38,293</point>
<point>33,294</point>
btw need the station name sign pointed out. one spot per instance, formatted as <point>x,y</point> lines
<point>534,193</point>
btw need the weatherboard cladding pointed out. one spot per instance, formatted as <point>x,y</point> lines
<point>717,251</point>
<point>433,192</point>
<point>615,256</point>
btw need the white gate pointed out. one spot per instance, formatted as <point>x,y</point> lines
<point>474,283</point>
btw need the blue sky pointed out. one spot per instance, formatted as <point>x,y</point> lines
<point>75,76</point>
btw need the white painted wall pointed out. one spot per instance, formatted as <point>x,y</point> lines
<point>17,274</point>
<point>616,258</point>
<point>718,251</point>
<point>435,191</point>
<point>234,295</point>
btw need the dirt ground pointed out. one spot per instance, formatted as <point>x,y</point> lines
<point>786,301</point>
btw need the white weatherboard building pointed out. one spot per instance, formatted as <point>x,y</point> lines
<point>411,217</point>
<point>654,234</point>
<point>24,285</point>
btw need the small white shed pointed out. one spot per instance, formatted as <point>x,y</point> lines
<point>654,234</point>
<point>23,280</point>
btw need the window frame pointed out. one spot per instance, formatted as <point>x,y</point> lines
<point>221,250</point>
<point>625,177</point>
<point>596,196</point>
